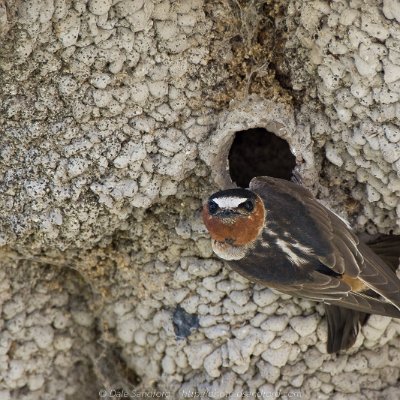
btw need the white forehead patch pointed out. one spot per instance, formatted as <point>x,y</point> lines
<point>229,202</point>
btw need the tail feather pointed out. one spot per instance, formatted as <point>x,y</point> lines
<point>343,327</point>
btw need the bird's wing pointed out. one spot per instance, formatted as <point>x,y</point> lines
<point>334,291</point>
<point>345,255</point>
<point>387,247</point>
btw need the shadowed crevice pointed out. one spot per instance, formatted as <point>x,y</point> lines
<point>257,152</point>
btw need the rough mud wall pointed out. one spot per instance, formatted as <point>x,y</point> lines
<point>116,121</point>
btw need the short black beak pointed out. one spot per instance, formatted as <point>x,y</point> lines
<point>227,213</point>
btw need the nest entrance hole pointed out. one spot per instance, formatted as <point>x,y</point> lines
<point>257,152</point>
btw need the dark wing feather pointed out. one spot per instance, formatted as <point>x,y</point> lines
<point>387,247</point>
<point>347,255</point>
<point>379,276</point>
<point>367,304</point>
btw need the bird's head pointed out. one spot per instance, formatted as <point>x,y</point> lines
<point>234,216</point>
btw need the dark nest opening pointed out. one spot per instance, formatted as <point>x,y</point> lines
<point>257,152</point>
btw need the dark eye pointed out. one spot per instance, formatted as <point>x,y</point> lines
<point>212,207</point>
<point>247,205</point>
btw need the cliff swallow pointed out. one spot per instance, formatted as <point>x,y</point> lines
<point>277,234</point>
